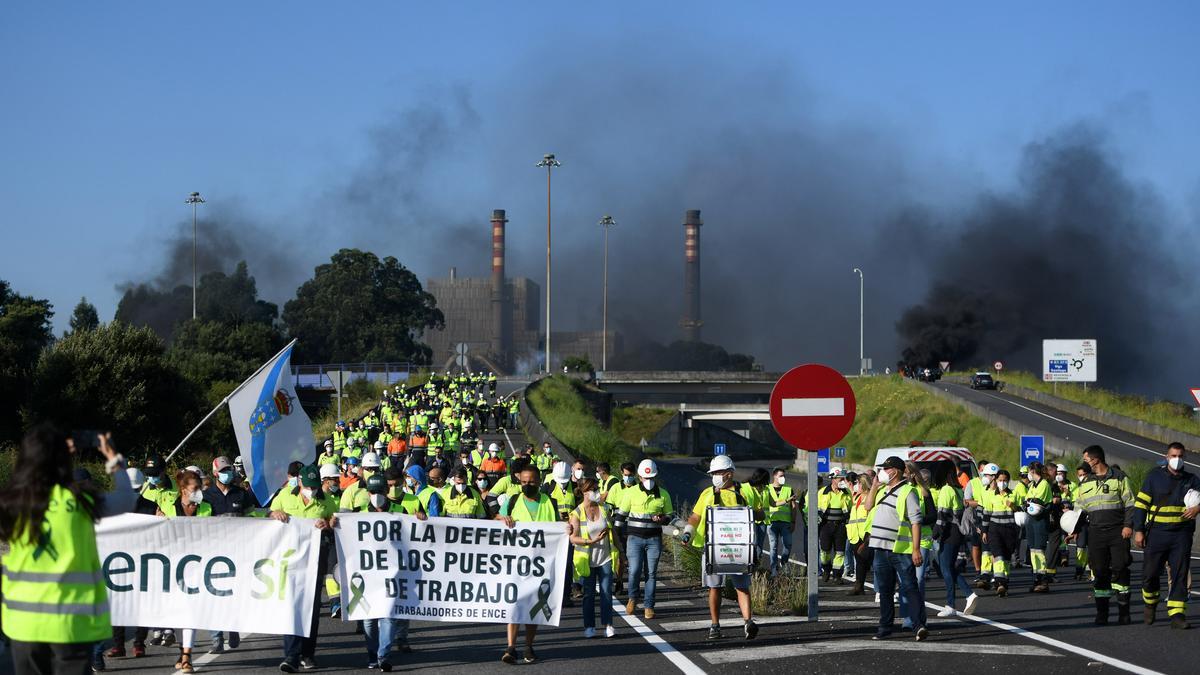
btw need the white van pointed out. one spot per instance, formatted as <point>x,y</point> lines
<point>926,455</point>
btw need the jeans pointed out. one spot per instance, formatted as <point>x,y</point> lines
<point>850,558</point>
<point>920,572</point>
<point>604,575</point>
<point>891,569</point>
<point>780,546</point>
<point>218,638</point>
<point>760,541</point>
<point>948,562</point>
<point>379,634</point>
<point>35,658</point>
<point>642,550</point>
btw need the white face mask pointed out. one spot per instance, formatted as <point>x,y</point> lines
<point>629,480</point>
<point>1175,463</point>
<point>594,497</point>
<point>379,501</point>
<point>293,482</point>
<point>307,493</point>
<point>460,487</point>
<point>598,476</point>
<point>1060,478</point>
<point>196,497</point>
<point>986,480</point>
<point>1002,485</point>
<point>781,480</point>
<point>718,480</point>
<point>885,476</point>
<point>648,483</point>
<point>578,474</point>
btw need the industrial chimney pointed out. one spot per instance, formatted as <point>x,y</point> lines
<point>691,322</point>
<point>501,345</point>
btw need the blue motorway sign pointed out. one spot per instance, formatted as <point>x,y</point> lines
<point>1058,365</point>
<point>823,461</point>
<point>839,453</point>
<point>1033,449</point>
<point>718,448</point>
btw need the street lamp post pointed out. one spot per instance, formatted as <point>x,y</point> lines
<point>861,359</point>
<point>549,162</point>
<point>605,222</point>
<point>195,200</point>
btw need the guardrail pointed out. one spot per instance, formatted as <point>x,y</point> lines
<point>317,376</point>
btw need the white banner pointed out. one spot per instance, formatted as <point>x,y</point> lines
<point>250,575</point>
<point>450,569</point>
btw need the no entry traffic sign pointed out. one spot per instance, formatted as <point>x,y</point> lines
<point>812,407</point>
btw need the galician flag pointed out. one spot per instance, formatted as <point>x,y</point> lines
<point>272,429</point>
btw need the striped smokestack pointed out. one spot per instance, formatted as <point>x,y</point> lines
<point>691,322</point>
<point>501,314</point>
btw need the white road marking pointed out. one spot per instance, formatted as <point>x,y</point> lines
<point>814,407</point>
<point>677,659</point>
<point>511,447</point>
<point>766,620</point>
<point>209,658</point>
<point>835,646</point>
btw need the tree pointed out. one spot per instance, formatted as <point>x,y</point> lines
<point>24,332</point>
<point>207,352</point>
<point>84,317</point>
<point>116,377</point>
<point>360,308</point>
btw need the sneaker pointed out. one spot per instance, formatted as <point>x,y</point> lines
<point>288,667</point>
<point>529,656</point>
<point>155,639</point>
<point>948,611</point>
<point>589,632</point>
<point>98,664</point>
<point>138,651</point>
<point>510,656</point>
<point>1179,621</point>
<point>168,638</point>
<point>115,653</point>
<point>1001,591</point>
<point>882,634</point>
<point>385,666</point>
<point>922,633</point>
<point>217,649</point>
<point>373,665</point>
<point>649,612</point>
<point>235,640</point>
<point>714,632</point>
<point>877,598</point>
<point>750,629</point>
<point>307,663</point>
<point>972,600</point>
<point>335,611</point>
<point>850,577</point>
<point>609,632</point>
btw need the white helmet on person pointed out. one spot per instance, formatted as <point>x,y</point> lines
<point>493,448</point>
<point>647,469</point>
<point>380,445</point>
<point>990,470</point>
<point>370,461</point>
<point>561,473</point>
<point>720,463</point>
<point>329,471</point>
<point>1060,468</point>
<point>136,478</point>
<point>195,469</point>
<point>329,444</point>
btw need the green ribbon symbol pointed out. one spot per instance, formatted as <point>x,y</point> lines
<point>357,587</point>
<point>543,600</point>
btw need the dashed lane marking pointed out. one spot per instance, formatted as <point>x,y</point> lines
<point>835,646</point>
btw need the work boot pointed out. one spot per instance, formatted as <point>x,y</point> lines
<point>1148,614</point>
<point>858,586</point>
<point>1102,611</point>
<point>1123,613</point>
<point>1179,621</point>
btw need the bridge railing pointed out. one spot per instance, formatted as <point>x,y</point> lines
<point>317,376</point>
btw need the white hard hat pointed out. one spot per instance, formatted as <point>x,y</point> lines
<point>237,461</point>
<point>329,471</point>
<point>492,447</point>
<point>720,463</point>
<point>991,470</point>
<point>370,461</point>
<point>329,444</point>
<point>647,468</point>
<point>1034,508</point>
<point>561,472</point>
<point>1068,520</point>
<point>1060,468</point>
<point>135,477</point>
<point>352,442</point>
<point>379,445</point>
<point>1020,517</point>
<point>194,469</point>
<point>1191,499</point>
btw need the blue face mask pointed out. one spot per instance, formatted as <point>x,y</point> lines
<point>154,480</point>
<point>293,481</point>
<point>226,477</point>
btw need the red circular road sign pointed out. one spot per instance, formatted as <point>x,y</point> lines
<point>999,365</point>
<point>812,407</point>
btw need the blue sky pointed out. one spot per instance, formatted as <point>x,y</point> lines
<point>114,111</point>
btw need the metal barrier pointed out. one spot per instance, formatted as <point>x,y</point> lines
<point>317,376</point>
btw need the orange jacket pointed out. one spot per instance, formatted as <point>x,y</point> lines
<point>397,446</point>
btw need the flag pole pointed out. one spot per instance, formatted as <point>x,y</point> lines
<point>225,400</point>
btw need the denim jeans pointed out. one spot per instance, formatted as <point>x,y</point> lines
<point>379,634</point>
<point>849,555</point>
<point>218,637</point>
<point>760,541</point>
<point>948,562</point>
<point>920,572</point>
<point>780,546</point>
<point>604,576</point>
<point>891,569</point>
<point>642,551</point>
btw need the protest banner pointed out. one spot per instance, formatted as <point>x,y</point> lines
<point>450,569</point>
<point>250,575</point>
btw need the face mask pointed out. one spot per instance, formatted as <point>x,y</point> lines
<point>718,480</point>
<point>1059,478</point>
<point>494,452</point>
<point>628,480</point>
<point>578,474</point>
<point>530,491</point>
<point>885,476</point>
<point>307,493</point>
<point>226,477</point>
<point>1175,463</point>
<point>196,497</point>
<point>781,480</point>
<point>329,451</point>
<point>379,501</point>
<point>482,484</point>
<point>354,470</point>
<point>293,482</point>
<point>648,483</point>
<point>154,480</point>
<point>1001,485</point>
<point>986,480</point>
<point>594,497</point>
<point>598,476</point>
<point>460,488</point>
<point>333,489</point>
<point>546,449</point>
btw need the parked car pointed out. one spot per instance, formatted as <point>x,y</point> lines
<point>982,381</point>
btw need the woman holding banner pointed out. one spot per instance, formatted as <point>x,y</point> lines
<point>189,504</point>
<point>593,561</point>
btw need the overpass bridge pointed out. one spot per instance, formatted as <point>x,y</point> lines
<point>687,386</point>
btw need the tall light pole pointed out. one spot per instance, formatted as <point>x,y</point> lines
<point>861,360</point>
<point>195,200</point>
<point>605,222</point>
<point>549,162</point>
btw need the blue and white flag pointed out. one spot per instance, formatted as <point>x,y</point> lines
<point>272,429</point>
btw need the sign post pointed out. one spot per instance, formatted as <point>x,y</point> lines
<point>812,407</point>
<point>1033,449</point>
<point>339,378</point>
<point>999,366</point>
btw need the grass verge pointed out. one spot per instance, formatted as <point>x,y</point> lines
<point>556,401</point>
<point>634,423</point>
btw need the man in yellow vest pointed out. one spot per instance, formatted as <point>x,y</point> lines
<point>780,505</point>
<point>724,492</point>
<point>893,525</point>
<point>532,506</point>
